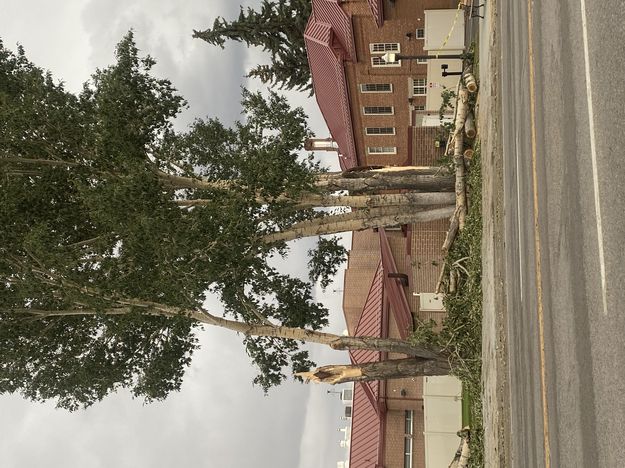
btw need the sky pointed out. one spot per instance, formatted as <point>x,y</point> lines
<point>218,419</point>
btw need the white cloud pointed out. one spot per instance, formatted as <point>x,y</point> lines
<point>217,419</point>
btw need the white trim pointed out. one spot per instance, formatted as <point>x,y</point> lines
<point>377,61</point>
<point>363,90</point>
<point>378,134</point>
<point>383,150</point>
<point>408,438</point>
<point>416,33</point>
<point>364,110</point>
<point>423,86</point>
<point>384,47</point>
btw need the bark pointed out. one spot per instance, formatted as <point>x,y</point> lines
<point>465,453</point>
<point>376,180</point>
<point>469,80</point>
<point>452,231</point>
<point>338,342</point>
<point>383,370</point>
<point>469,126</point>
<point>375,201</point>
<point>357,221</point>
<point>433,179</point>
<point>461,196</point>
<point>313,200</point>
<point>39,162</point>
<point>180,182</point>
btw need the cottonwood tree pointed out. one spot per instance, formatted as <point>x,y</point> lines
<point>278,28</point>
<point>114,226</point>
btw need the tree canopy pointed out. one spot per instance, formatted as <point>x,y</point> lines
<point>113,226</point>
<point>278,28</point>
<point>90,185</point>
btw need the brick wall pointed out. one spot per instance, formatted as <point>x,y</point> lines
<point>402,18</point>
<point>415,145</point>
<point>396,438</point>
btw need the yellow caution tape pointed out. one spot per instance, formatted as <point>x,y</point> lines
<point>460,3</point>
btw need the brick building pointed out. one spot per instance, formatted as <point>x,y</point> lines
<point>374,109</point>
<point>376,114</point>
<point>388,417</point>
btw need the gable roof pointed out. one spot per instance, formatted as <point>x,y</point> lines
<point>368,415</point>
<point>329,40</point>
<point>394,289</point>
<point>377,11</point>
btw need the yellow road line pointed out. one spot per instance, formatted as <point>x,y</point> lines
<point>539,285</point>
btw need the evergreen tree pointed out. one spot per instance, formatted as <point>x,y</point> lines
<point>278,28</point>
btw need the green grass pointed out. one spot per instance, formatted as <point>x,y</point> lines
<point>467,402</point>
<point>462,329</point>
<point>461,334</point>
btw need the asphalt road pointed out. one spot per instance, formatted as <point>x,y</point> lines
<point>563,125</point>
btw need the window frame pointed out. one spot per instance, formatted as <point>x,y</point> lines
<point>408,437</point>
<point>379,128</point>
<point>363,89</point>
<point>384,150</point>
<point>391,112</point>
<point>419,33</point>
<point>378,62</point>
<point>395,47</point>
<point>415,86</point>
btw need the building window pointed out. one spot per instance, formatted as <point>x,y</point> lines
<point>418,87</point>
<point>376,88</point>
<point>420,107</point>
<point>382,47</point>
<point>378,110</point>
<point>381,150</point>
<point>380,62</point>
<point>408,438</point>
<point>380,131</point>
<point>420,33</point>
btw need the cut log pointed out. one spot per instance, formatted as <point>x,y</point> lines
<point>468,153</point>
<point>439,283</point>
<point>469,126</point>
<point>452,231</point>
<point>469,80</point>
<point>461,457</point>
<point>463,462</point>
<point>462,108</point>
<point>453,276</point>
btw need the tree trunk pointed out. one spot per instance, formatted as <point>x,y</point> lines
<point>313,200</point>
<point>383,370</point>
<point>461,196</point>
<point>375,180</point>
<point>375,201</point>
<point>338,342</point>
<point>357,221</point>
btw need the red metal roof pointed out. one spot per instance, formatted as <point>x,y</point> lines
<point>370,324</point>
<point>368,414</point>
<point>377,11</point>
<point>365,445</point>
<point>330,41</point>
<point>394,290</point>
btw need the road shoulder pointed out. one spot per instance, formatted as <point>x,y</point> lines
<point>494,334</point>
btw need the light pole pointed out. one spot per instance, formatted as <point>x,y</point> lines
<point>391,57</point>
